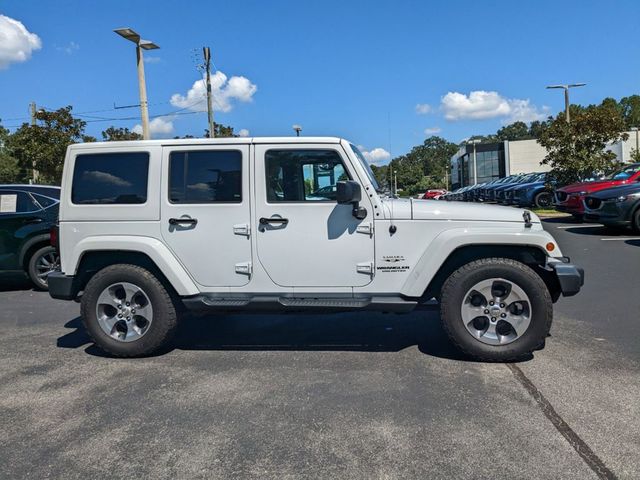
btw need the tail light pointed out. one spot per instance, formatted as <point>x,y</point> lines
<point>53,237</point>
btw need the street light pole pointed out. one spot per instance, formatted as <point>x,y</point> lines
<point>132,36</point>
<point>566,96</point>
<point>475,163</point>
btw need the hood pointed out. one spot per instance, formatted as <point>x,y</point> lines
<point>528,185</point>
<point>633,188</point>
<point>415,209</point>
<point>591,186</point>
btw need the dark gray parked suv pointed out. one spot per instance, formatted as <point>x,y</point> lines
<point>27,213</point>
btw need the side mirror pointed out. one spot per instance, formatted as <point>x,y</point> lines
<point>350,192</point>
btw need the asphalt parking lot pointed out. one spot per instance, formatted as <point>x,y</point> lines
<point>345,396</point>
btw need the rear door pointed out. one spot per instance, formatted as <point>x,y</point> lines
<point>205,213</point>
<point>19,215</point>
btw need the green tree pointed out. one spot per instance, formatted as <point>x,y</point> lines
<point>577,150</point>
<point>537,127</point>
<point>514,131</point>
<point>424,167</point>
<point>9,168</point>
<point>630,108</point>
<point>114,134</point>
<point>43,146</point>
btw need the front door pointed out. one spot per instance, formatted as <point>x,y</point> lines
<point>304,238</point>
<point>205,212</point>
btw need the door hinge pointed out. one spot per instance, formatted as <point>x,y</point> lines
<point>366,228</point>
<point>244,268</point>
<point>365,267</point>
<point>242,229</point>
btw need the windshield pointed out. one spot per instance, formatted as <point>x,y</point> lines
<point>366,167</point>
<point>624,173</point>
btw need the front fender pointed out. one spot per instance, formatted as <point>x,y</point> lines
<point>450,240</point>
<point>171,268</point>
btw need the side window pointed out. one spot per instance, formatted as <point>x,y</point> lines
<point>16,202</point>
<point>205,176</point>
<point>303,175</point>
<point>110,178</point>
<point>44,202</point>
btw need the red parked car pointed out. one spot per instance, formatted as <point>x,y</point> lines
<point>433,194</point>
<point>570,199</point>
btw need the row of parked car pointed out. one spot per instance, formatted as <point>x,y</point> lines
<point>522,190</point>
<point>612,200</point>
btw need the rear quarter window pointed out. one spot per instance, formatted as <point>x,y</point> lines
<point>110,178</point>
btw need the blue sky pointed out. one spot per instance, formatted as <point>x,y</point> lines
<point>378,73</point>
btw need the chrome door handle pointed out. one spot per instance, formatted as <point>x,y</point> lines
<point>183,221</point>
<point>265,221</point>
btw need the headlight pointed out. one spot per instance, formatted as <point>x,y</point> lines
<point>583,193</point>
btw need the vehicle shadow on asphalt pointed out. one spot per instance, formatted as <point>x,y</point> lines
<point>600,231</point>
<point>354,332</point>
<point>14,282</point>
<point>633,243</point>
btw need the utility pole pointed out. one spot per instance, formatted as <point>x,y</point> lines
<point>566,96</point>
<point>207,65</point>
<point>34,172</point>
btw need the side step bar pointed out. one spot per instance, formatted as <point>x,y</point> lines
<point>208,302</point>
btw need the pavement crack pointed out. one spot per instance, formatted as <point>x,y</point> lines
<point>578,444</point>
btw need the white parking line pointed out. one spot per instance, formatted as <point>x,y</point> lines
<point>620,238</point>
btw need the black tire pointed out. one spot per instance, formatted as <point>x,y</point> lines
<point>462,280</point>
<point>635,223</point>
<point>50,255</point>
<point>165,318</point>
<point>543,200</point>
<point>578,217</point>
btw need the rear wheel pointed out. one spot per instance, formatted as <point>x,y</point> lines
<point>543,200</point>
<point>635,224</point>
<point>496,309</point>
<point>43,261</point>
<point>127,311</point>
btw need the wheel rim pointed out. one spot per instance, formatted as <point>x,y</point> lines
<point>544,200</point>
<point>45,264</point>
<point>124,311</point>
<point>496,311</point>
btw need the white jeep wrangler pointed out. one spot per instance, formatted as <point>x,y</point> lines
<point>148,229</point>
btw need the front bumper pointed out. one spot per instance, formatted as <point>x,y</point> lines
<point>570,277</point>
<point>62,287</point>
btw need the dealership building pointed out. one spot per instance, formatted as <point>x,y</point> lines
<point>501,159</point>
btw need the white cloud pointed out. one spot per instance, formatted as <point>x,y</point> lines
<point>243,133</point>
<point>225,92</point>
<point>16,42</point>
<point>70,48</point>
<point>158,127</point>
<point>105,177</point>
<point>375,156</point>
<point>481,105</point>
<point>423,108</point>
<point>432,131</point>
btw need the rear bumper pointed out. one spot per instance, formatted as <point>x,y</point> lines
<point>62,287</point>
<point>570,277</point>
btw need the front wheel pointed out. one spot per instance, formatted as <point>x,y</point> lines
<point>543,200</point>
<point>496,309</point>
<point>127,311</point>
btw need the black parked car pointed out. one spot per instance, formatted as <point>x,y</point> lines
<point>615,207</point>
<point>27,213</point>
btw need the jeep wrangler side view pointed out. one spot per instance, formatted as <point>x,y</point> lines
<point>149,229</point>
